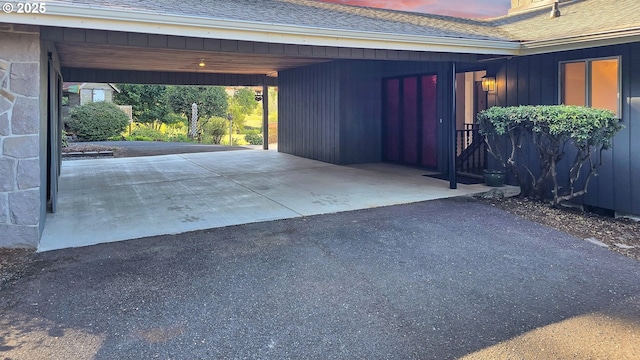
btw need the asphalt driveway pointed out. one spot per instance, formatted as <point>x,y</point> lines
<point>435,280</point>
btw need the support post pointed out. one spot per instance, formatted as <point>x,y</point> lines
<point>265,117</point>
<point>453,176</point>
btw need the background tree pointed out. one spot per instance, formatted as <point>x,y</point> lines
<point>242,104</point>
<point>214,129</point>
<point>147,101</point>
<point>211,100</point>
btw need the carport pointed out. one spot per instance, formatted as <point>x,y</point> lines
<point>105,200</point>
<point>328,61</point>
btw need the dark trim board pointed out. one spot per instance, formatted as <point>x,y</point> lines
<point>165,78</point>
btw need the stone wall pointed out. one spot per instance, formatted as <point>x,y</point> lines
<point>19,136</point>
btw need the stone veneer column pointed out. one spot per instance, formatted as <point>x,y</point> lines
<point>19,136</point>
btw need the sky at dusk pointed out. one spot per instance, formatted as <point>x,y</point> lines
<point>461,8</point>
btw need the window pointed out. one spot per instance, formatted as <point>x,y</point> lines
<point>594,83</point>
<point>98,95</point>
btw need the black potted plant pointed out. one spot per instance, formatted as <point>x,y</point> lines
<point>494,177</point>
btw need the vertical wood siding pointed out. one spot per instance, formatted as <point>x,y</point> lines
<point>333,111</point>
<point>309,112</point>
<point>361,113</point>
<point>533,80</point>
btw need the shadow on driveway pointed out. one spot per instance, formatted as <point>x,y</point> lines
<point>433,280</point>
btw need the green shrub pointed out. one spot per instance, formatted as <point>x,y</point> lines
<point>551,131</point>
<point>65,142</point>
<point>179,138</point>
<point>97,121</point>
<point>215,128</point>
<point>146,133</point>
<point>138,138</point>
<point>253,139</point>
<point>252,130</point>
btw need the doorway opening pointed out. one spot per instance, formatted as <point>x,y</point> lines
<point>471,154</point>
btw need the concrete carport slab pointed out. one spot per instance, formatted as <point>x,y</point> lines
<point>106,200</point>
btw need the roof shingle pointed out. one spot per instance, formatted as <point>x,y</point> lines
<point>308,13</point>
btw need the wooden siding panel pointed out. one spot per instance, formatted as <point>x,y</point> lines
<point>632,122</point>
<point>96,37</point>
<point>117,38</point>
<point>523,81</point>
<point>308,106</point>
<point>136,39</point>
<point>617,187</point>
<point>165,78</point>
<point>212,44</point>
<point>74,35</point>
<point>361,125</point>
<point>344,53</point>
<point>535,80</point>
<point>500,97</point>
<point>332,52</point>
<point>512,82</point>
<point>369,54</point>
<point>229,45</point>
<point>176,42</point>
<point>305,50</point>
<point>291,50</point>
<point>195,44</point>
<point>357,53</point>
<point>159,41</point>
<point>320,51</point>
<point>276,49</point>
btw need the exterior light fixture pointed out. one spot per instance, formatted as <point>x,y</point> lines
<point>258,95</point>
<point>202,64</point>
<point>488,83</point>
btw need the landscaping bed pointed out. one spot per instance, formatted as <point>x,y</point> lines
<point>620,235</point>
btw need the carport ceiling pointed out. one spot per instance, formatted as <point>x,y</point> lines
<point>112,57</point>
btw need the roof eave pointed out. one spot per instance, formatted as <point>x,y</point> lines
<point>614,37</point>
<point>87,17</point>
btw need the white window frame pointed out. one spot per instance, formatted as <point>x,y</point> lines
<point>587,89</point>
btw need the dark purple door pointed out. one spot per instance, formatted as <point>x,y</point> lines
<point>410,124</point>
<point>429,121</point>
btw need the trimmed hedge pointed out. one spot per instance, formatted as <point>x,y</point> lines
<point>97,121</point>
<point>551,131</point>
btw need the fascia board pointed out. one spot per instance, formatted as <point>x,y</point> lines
<point>616,37</point>
<point>87,17</point>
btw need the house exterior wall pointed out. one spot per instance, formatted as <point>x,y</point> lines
<point>534,80</point>
<point>309,111</point>
<point>20,117</point>
<point>332,111</point>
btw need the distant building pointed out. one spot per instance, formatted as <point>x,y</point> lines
<point>75,93</point>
